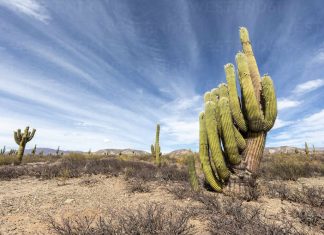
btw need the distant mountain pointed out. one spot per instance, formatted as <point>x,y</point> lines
<point>121,151</point>
<point>289,149</point>
<point>47,151</point>
<point>178,152</point>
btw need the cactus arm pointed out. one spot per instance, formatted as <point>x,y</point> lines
<point>31,135</point>
<point>214,141</point>
<point>152,150</point>
<point>207,96</point>
<point>253,67</point>
<point>19,133</point>
<point>203,155</point>
<point>229,140</point>
<point>214,94</point>
<point>17,139</point>
<point>233,98</point>
<point>241,143</point>
<point>157,134</point>
<point>26,132</point>
<point>252,107</point>
<point>223,91</point>
<point>269,102</point>
<point>215,98</point>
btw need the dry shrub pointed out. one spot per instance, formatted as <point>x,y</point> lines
<point>310,216</point>
<point>290,167</point>
<point>138,186</point>
<point>75,165</point>
<point>313,196</point>
<point>183,191</point>
<point>228,215</point>
<point>146,219</point>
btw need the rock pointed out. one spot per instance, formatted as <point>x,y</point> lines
<point>68,201</point>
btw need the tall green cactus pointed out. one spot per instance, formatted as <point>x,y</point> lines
<point>233,130</point>
<point>155,149</point>
<point>22,139</point>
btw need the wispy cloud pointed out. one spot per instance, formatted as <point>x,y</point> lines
<point>281,123</point>
<point>101,74</point>
<point>309,129</point>
<point>32,8</point>
<point>309,86</point>
<point>287,103</point>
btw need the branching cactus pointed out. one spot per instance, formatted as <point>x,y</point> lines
<point>156,150</point>
<point>22,139</point>
<point>232,129</point>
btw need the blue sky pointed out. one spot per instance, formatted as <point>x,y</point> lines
<point>100,74</point>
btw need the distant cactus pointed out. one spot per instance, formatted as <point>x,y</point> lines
<point>156,148</point>
<point>306,149</point>
<point>296,150</point>
<point>22,139</point>
<point>233,131</point>
<point>193,179</point>
<point>57,151</point>
<point>314,150</point>
<point>34,150</point>
<point>12,152</point>
<point>152,150</point>
<point>3,151</point>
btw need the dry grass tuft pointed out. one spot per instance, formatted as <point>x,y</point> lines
<point>150,218</point>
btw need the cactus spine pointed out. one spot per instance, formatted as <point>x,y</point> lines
<point>239,125</point>
<point>22,139</point>
<point>193,179</point>
<point>155,149</point>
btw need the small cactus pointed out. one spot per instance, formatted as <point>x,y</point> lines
<point>193,179</point>
<point>22,139</point>
<point>12,152</point>
<point>306,149</point>
<point>152,150</point>
<point>314,150</point>
<point>233,130</point>
<point>57,151</point>
<point>156,151</point>
<point>34,150</point>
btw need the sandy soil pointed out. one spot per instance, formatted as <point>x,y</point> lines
<point>25,203</point>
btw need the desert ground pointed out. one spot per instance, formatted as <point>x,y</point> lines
<point>70,195</point>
